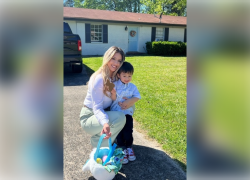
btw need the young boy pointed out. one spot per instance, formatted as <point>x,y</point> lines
<point>123,88</point>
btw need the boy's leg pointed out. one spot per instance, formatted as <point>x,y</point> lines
<point>120,139</point>
<point>122,144</point>
<point>128,134</point>
<point>128,131</point>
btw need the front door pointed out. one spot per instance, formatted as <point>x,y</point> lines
<point>132,38</point>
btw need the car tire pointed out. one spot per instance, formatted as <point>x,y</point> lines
<point>77,68</point>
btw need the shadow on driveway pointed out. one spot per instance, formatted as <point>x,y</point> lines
<point>75,79</point>
<point>151,164</point>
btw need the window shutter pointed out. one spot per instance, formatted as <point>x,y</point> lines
<point>105,33</point>
<point>153,34</point>
<point>87,33</point>
<point>166,34</point>
<point>185,35</point>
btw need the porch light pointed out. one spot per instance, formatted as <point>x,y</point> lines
<point>126,28</point>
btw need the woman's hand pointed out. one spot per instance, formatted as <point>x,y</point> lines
<point>113,91</point>
<point>113,94</point>
<point>106,130</point>
<point>128,102</point>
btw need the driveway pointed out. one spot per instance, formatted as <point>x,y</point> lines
<point>151,164</point>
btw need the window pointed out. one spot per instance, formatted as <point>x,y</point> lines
<point>159,34</point>
<point>66,28</point>
<point>96,33</point>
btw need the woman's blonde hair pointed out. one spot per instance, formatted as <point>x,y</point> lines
<point>104,69</point>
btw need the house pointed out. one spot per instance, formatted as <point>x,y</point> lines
<point>100,29</point>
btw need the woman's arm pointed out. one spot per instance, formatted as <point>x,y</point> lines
<point>97,100</point>
<point>97,96</point>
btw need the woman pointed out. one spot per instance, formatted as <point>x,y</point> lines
<point>95,120</point>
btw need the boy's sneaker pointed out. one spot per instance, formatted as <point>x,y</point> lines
<point>125,158</point>
<point>131,154</point>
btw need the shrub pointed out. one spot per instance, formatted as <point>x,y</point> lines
<point>166,48</point>
<point>149,47</point>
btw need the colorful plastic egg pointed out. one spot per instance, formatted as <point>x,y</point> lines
<point>99,161</point>
<point>104,158</point>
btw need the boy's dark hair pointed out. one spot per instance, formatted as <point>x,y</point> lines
<point>126,68</point>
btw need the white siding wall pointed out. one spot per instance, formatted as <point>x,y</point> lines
<point>117,36</point>
<point>144,36</point>
<point>176,34</point>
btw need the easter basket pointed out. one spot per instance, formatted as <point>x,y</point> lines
<point>104,163</point>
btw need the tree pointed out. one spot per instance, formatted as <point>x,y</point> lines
<point>132,6</point>
<point>78,3</point>
<point>167,7</point>
<point>179,8</point>
<point>68,3</point>
<point>112,5</point>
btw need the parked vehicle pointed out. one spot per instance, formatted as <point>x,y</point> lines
<point>72,49</point>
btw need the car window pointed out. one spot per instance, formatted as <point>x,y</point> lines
<point>66,28</point>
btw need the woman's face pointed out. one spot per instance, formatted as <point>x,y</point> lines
<point>115,62</point>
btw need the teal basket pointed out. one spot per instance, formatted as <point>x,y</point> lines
<point>105,151</point>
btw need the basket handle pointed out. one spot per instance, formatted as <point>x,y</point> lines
<point>111,152</point>
<point>99,144</point>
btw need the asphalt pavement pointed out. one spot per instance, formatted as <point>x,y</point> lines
<point>151,164</point>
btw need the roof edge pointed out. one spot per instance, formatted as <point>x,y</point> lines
<point>131,22</point>
<point>117,11</point>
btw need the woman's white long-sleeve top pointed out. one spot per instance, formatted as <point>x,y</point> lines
<point>97,100</point>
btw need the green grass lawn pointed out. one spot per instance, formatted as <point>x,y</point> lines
<point>161,111</point>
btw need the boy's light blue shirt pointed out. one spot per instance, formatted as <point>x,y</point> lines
<point>124,90</point>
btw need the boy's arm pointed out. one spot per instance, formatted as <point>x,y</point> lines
<point>113,94</point>
<point>136,93</point>
<point>128,102</point>
<point>131,101</point>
